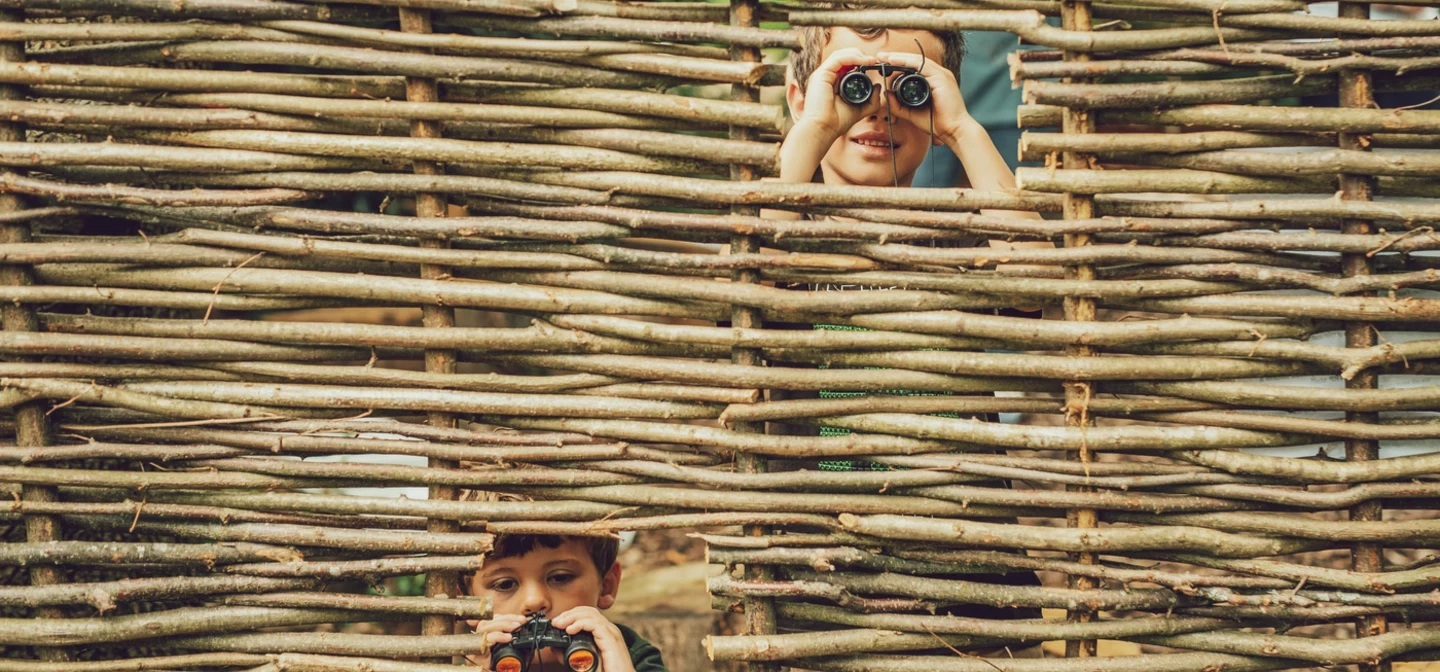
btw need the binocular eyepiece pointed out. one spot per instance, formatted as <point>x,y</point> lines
<point>910,88</point>
<point>578,650</point>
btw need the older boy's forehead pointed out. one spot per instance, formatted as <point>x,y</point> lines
<point>898,39</point>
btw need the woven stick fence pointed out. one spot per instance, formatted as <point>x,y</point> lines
<point>180,177</point>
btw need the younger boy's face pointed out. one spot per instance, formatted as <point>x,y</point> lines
<point>552,580</point>
<point>862,155</point>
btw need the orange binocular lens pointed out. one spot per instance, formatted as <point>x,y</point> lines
<point>508,664</point>
<point>581,661</point>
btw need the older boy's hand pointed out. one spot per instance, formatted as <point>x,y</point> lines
<point>952,120</point>
<point>826,112</point>
<point>614,655</point>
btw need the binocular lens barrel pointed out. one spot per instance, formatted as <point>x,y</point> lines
<point>911,89</point>
<point>509,663</point>
<point>581,655</point>
<point>581,661</point>
<point>856,88</point>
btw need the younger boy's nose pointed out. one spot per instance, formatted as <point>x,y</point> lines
<point>535,601</point>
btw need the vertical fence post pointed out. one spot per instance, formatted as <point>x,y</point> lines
<point>759,612</point>
<point>32,427</point>
<point>1356,91</point>
<point>1075,16</point>
<point>419,89</point>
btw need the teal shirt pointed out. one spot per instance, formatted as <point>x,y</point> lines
<point>643,655</point>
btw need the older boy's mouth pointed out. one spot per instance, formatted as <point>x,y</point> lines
<point>875,143</point>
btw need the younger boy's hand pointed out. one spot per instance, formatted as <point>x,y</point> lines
<point>614,655</point>
<point>825,111</point>
<point>951,117</point>
<point>496,631</point>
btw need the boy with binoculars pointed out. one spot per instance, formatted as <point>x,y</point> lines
<point>547,592</point>
<point>869,103</point>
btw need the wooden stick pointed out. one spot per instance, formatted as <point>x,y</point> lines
<point>639,29</point>
<point>1029,25</point>
<point>1258,118</point>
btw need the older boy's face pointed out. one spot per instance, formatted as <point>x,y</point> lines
<point>863,154</point>
<point>552,580</point>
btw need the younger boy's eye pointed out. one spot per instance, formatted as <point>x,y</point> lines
<point>504,585</point>
<point>561,578</point>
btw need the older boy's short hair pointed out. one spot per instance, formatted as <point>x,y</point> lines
<point>814,38</point>
<point>602,550</point>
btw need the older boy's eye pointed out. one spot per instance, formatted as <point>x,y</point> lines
<point>561,578</point>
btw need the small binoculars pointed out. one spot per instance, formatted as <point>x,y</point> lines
<point>580,654</point>
<point>910,88</point>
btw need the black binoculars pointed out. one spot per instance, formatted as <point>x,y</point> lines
<point>910,88</point>
<point>580,654</point>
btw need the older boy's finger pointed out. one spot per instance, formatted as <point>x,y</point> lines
<point>829,70</point>
<point>906,59</point>
<point>849,56</point>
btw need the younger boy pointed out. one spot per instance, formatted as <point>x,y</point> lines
<point>570,579</point>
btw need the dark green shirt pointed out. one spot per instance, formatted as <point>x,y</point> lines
<point>643,655</point>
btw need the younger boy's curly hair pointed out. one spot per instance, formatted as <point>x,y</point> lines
<point>814,38</point>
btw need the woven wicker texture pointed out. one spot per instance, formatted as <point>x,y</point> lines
<point>265,261</point>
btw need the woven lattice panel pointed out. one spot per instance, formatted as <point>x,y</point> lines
<point>269,264</point>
